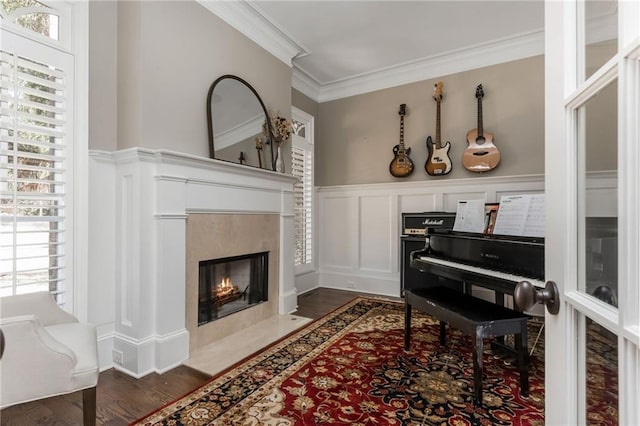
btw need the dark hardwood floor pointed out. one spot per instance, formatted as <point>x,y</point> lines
<point>123,399</point>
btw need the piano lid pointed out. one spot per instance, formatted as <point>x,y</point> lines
<point>514,254</point>
<point>487,237</point>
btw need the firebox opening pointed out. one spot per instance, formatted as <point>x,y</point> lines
<point>231,284</point>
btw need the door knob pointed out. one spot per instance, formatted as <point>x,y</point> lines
<point>526,295</point>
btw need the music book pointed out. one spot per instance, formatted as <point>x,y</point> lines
<point>521,215</point>
<point>470,216</point>
<point>490,215</point>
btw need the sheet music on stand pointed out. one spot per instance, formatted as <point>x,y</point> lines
<point>521,215</point>
<point>470,216</point>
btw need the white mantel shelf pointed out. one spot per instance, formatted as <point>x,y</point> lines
<point>140,199</point>
<point>164,156</point>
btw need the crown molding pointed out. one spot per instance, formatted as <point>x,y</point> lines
<point>305,84</point>
<point>244,17</point>
<point>250,21</point>
<point>496,52</point>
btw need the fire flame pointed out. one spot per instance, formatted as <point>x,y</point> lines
<point>225,288</point>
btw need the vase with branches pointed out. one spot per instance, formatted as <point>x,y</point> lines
<point>281,132</point>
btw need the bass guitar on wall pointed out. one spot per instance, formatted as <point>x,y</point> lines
<point>401,165</point>
<point>438,162</point>
<point>481,155</point>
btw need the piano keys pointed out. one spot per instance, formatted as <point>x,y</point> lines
<point>496,262</point>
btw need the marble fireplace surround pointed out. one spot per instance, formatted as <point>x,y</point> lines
<point>143,201</point>
<point>213,236</point>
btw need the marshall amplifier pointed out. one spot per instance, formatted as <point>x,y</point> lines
<point>414,227</point>
<point>417,223</point>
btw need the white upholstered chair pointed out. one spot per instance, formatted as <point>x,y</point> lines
<point>47,352</point>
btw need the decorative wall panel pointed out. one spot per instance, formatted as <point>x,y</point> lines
<point>362,251</point>
<point>375,233</point>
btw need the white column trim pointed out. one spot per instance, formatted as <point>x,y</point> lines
<point>80,43</point>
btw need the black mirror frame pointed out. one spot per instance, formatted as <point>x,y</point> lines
<point>210,115</point>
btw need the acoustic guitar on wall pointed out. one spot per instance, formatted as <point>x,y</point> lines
<point>401,165</point>
<point>438,162</point>
<point>481,155</point>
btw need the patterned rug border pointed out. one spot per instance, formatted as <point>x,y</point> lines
<point>349,366</point>
<point>356,299</point>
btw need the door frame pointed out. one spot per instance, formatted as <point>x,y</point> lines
<point>565,91</point>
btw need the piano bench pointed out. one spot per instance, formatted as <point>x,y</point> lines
<point>475,317</point>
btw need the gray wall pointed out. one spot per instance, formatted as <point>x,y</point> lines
<point>303,102</point>
<point>103,75</point>
<point>148,88</point>
<point>151,66</point>
<point>355,135</point>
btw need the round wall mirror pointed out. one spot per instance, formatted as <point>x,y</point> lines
<point>235,118</point>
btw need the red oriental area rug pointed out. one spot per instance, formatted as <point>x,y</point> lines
<point>349,368</point>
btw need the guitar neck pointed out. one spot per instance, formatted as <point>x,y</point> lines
<point>480,128</point>
<point>401,144</point>
<point>438,142</point>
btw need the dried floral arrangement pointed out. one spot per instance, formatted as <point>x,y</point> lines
<point>281,128</point>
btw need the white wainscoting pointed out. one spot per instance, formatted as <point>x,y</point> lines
<point>358,229</point>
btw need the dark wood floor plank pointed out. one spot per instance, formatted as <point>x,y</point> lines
<point>318,302</point>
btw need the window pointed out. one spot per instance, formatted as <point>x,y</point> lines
<point>302,168</point>
<point>30,16</point>
<point>36,155</point>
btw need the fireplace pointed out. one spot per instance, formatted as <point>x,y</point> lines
<point>231,284</point>
<point>213,239</point>
<point>160,213</point>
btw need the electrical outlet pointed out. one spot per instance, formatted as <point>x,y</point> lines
<point>117,357</point>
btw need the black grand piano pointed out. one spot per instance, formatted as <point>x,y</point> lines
<point>494,262</point>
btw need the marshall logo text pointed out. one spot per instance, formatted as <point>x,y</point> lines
<point>433,222</point>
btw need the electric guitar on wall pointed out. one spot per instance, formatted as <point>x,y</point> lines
<point>481,155</point>
<point>401,165</point>
<point>438,162</point>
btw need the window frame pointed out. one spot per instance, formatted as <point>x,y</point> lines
<point>73,39</point>
<point>306,144</point>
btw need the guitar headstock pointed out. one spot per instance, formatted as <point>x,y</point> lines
<point>479,92</point>
<point>403,109</point>
<point>437,91</point>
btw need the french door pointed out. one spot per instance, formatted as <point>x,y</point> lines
<point>592,168</point>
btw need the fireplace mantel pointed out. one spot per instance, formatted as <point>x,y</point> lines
<point>140,199</point>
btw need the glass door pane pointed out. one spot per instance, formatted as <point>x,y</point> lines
<point>598,197</point>
<point>601,29</point>
<point>600,374</point>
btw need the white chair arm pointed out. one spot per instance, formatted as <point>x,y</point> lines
<point>30,348</point>
<point>40,303</point>
<point>27,331</point>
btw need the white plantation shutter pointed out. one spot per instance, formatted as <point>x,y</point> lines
<point>35,225</point>
<point>303,195</point>
<point>302,168</point>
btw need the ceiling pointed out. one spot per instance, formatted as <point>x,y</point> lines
<point>343,48</point>
<point>344,39</point>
